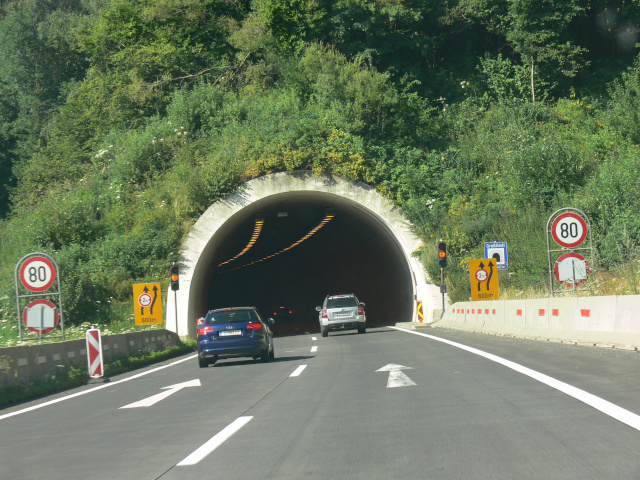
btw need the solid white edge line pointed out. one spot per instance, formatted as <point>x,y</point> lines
<point>100,387</point>
<point>215,441</point>
<point>298,371</point>
<point>604,406</point>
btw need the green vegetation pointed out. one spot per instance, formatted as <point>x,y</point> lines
<point>121,121</point>
<point>65,378</point>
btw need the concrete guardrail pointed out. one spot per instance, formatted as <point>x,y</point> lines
<point>612,321</point>
<point>26,363</point>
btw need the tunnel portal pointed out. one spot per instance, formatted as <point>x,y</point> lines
<point>283,242</point>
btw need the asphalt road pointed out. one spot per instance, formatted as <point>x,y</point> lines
<point>343,408</point>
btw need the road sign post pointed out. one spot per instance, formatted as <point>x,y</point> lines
<point>568,231</point>
<point>38,274</point>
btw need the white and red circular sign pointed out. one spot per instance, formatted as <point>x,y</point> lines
<point>37,274</point>
<point>569,230</point>
<point>571,268</point>
<point>41,316</point>
<point>481,275</point>
<point>145,300</point>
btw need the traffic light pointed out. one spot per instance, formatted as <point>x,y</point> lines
<point>442,254</point>
<point>174,277</point>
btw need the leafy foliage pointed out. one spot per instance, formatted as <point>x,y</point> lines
<point>121,121</point>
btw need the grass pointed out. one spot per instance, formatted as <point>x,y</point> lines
<point>622,280</point>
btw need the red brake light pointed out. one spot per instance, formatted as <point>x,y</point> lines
<point>254,326</point>
<point>324,313</point>
<point>205,330</point>
<point>360,311</point>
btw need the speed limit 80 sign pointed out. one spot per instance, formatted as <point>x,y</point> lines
<point>37,274</point>
<point>569,230</point>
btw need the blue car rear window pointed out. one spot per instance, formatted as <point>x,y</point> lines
<point>228,316</point>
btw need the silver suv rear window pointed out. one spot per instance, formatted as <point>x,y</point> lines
<point>341,302</point>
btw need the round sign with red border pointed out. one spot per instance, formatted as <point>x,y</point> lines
<point>482,275</point>
<point>41,316</point>
<point>565,271</point>
<point>569,230</point>
<point>37,274</point>
<point>144,300</point>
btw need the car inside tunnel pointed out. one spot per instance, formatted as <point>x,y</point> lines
<point>285,253</point>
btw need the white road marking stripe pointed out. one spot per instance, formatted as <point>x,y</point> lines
<point>100,387</point>
<point>314,338</point>
<point>298,371</point>
<point>215,441</point>
<point>608,408</point>
<point>314,349</point>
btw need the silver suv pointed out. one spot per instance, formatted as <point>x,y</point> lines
<point>342,312</point>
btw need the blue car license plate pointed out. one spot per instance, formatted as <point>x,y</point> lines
<point>230,333</point>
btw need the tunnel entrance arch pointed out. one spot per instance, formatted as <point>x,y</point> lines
<point>287,240</point>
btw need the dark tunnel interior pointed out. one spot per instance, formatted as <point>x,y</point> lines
<point>307,245</point>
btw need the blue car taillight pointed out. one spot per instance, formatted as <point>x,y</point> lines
<point>205,330</point>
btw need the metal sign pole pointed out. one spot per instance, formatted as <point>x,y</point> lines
<point>443,289</point>
<point>175,303</point>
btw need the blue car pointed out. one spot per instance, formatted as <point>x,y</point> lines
<point>234,332</point>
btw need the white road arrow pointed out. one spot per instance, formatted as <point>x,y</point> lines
<point>147,402</point>
<point>396,377</point>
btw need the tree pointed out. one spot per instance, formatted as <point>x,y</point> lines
<point>537,30</point>
<point>37,60</point>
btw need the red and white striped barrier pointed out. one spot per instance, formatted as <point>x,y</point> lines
<point>94,353</point>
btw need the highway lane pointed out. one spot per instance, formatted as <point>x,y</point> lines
<point>464,417</point>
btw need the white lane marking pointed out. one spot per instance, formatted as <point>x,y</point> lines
<point>314,349</point>
<point>215,441</point>
<point>298,371</point>
<point>314,338</point>
<point>396,377</point>
<point>100,387</point>
<point>152,400</point>
<point>608,408</point>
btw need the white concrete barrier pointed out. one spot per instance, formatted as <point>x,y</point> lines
<point>606,320</point>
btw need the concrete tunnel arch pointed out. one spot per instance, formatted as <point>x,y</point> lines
<point>364,248</point>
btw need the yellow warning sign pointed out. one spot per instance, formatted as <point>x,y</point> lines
<point>147,303</point>
<point>483,275</point>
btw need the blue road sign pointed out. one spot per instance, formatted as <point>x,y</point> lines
<point>497,250</point>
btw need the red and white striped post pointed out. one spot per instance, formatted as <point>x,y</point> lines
<point>94,353</point>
